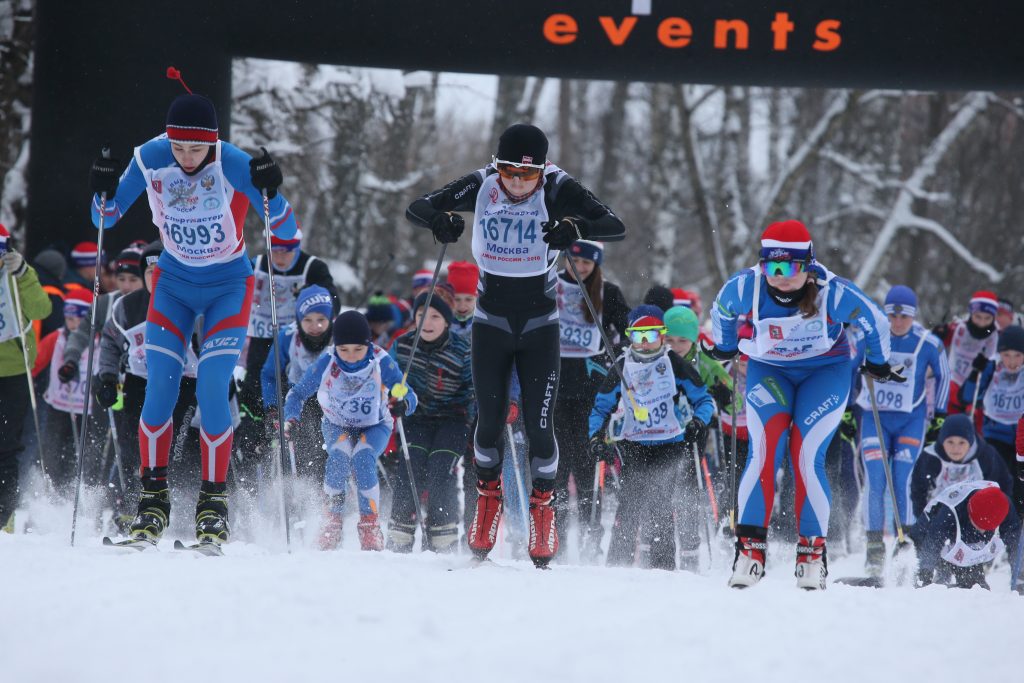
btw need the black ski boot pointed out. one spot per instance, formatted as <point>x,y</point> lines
<point>212,513</point>
<point>154,508</point>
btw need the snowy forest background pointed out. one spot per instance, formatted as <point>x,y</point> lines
<point>918,188</point>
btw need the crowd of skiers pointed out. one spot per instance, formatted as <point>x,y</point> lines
<point>412,402</point>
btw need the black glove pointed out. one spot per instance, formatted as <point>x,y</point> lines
<point>696,432</point>
<point>717,352</point>
<point>979,363</point>
<point>848,427</point>
<point>882,372</point>
<point>68,372</point>
<point>106,391</point>
<point>562,233</point>
<point>104,175</point>
<point>941,330</point>
<point>399,408</point>
<point>600,449</point>
<point>721,393</point>
<point>932,435</point>
<point>447,227</point>
<point>265,174</point>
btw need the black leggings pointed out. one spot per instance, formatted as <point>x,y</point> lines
<point>530,340</point>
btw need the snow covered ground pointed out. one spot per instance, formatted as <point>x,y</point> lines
<point>261,614</point>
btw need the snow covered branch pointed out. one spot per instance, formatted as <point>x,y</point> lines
<point>901,215</point>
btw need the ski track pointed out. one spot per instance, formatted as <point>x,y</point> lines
<point>72,614</point>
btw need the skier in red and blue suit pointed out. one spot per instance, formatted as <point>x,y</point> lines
<point>798,383</point>
<point>199,189</point>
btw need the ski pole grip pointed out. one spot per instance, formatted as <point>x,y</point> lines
<point>399,391</point>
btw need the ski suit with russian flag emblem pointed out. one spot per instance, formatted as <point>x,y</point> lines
<point>798,383</point>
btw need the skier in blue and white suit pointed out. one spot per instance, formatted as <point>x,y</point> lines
<point>903,412</point>
<point>199,189</point>
<point>798,382</point>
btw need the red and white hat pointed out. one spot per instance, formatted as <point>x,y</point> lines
<point>77,302</point>
<point>4,235</point>
<point>787,241</point>
<point>986,302</point>
<point>688,298</point>
<point>84,254</point>
<point>290,244</point>
<point>422,278</point>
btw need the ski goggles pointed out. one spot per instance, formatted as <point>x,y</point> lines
<point>510,169</point>
<point>649,335</point>
<point>786,268</point>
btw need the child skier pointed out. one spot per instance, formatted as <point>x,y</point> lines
<point>442,378</point>
<point>199,189</point>
<point>351,382</point>
<point>301,344</point>
<point>679,409</point>
<point>1001,392</point>
<point>971,342</point>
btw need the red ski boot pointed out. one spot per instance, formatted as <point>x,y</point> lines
<point>748,565</point>
<point>543,537</point>
<point>484,531</point>
<point>370,536</point>
<point>330,532</point>
<point>811,563</point>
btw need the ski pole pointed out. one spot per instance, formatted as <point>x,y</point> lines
<point>400,389</point>
<point>31,384</point>
<point>372,284</point>
<point>520,485</point>
<point>598,467</point>
<point>276,351</point>
<point>639,412</point>
<point>708,528</point>
<point>91,355</point>
<point>420,522</point>
<point>732,455</point>
<point>117,450</point>
<point>885,459</point>
<point>977,391</point>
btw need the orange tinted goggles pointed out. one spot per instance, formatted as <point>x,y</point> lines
<point>510,170</point>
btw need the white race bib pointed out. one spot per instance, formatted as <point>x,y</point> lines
<point>286,293</point>
<point>579,338</point>
<point>1004,398</point>
<point>654,387</point>
<point>300,358</point>
<point>10,326</point>
<point>353,400</point>
<point>68,397</point>
<point>507,237</point>
<point>964,348</point>
<point>787,339</point>
<point>135,338</point>
<point>960,553</point>
<point>193,213</point>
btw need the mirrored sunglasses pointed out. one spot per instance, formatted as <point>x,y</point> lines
<point>782,268</point>
<point>639,335</point>
<point>510,170</point>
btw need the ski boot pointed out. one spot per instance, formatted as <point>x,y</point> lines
<point>212,513</point>
<point>330,532</point>
<point>484,531</point>
<point>543,535</point>
<point>751,549</point>
<point>370,536</point>
<point>811,563</point>
<point>443,537</point>
<point>874,563</point>
<point>401,536</point>
<point>154,511</point>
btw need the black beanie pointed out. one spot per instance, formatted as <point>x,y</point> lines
<point>1011,339</point>
<point>192,120</point>
<point>128,261</point>
<point>660,296</point>
<point>437,303</point>
<point>351,327</point>
<point>522,143</point>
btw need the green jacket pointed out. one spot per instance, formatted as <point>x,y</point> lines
<point>712,372</point>
<point>35,305</point>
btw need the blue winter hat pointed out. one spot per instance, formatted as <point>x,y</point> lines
<point>960,425</point>
<point>1011,339</point>
<point>593,251</point>
<point>351,327</point>
<point>313,299</point>
<point>901,300</point>
<point>646,315</point>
